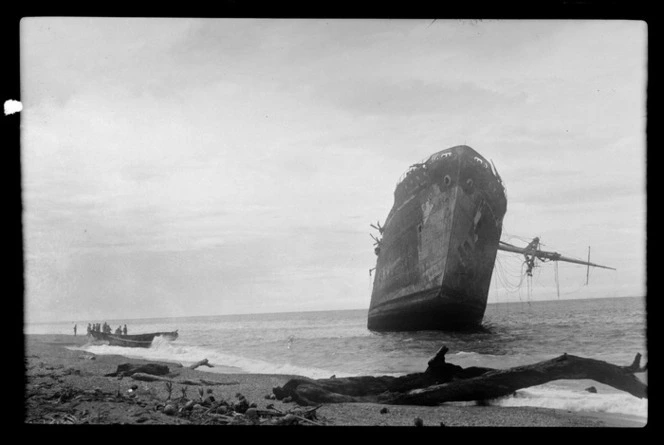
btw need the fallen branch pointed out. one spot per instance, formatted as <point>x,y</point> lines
<point>307,420</point>
<point>444,382</point>
<point>153,378</point>
<point>636,365</point>
<point>203,362</point>
<point>311,410</point>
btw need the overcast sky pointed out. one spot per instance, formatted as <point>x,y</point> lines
<point>178,167</point>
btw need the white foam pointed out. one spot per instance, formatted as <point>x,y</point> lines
<point>556,397</point>
<point>471,358</point>
<point>163,350</point>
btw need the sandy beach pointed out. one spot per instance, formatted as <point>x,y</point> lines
<point>71,386</point>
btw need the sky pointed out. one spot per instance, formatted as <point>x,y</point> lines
<point>180,167</point>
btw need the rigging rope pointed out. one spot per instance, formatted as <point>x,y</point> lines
<point>520,238</point>
<point>504,277</point>
<point>556,278</point>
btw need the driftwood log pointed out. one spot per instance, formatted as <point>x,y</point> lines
<point>127,369</point>
<point>157,372</point>
<point>445,382</point>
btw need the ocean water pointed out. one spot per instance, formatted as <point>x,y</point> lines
<point>326,343</point>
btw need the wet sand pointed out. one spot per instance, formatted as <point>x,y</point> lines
<point>70,386</point>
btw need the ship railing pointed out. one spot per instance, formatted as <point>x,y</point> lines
<point>423,163</point>
<point>443,155</point>
<point>437,156</point>
<point>410,169</point>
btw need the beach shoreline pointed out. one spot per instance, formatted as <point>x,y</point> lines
<point>71,386</point>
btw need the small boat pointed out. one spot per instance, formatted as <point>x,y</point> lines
<point>133,341</point>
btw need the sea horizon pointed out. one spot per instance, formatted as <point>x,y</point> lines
<point>192,317</point>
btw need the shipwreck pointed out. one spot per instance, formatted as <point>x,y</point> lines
<point>437,248</point>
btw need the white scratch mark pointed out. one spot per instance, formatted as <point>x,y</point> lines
<point>426,210</point>
<point>12,106</point>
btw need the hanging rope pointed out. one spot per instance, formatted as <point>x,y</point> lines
<point>556,278</point>
<point>507,278</point>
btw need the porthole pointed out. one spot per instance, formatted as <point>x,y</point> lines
<point>447,180</point>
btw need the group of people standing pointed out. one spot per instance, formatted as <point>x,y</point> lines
<point>106,329</point>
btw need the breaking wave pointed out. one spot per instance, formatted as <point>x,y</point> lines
<point>163,350</point>
<point>557,397</point>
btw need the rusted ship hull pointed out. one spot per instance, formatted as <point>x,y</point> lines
<point>438,245</point>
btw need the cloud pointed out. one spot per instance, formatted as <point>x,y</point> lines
<point>414,97</point>
<point>238,163</point>
<point>64,56</point>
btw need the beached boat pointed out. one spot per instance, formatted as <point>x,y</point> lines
<point>437,247</point>
<point>133,341</point>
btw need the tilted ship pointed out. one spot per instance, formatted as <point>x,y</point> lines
<point>436,249</point>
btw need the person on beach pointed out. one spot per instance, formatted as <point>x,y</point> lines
<point>74,330</point>
<point>89,328</point>
<point>124,331</point>
<point>118,331</point>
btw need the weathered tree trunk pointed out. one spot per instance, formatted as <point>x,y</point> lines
<point>307,391</point>
<point>444,382</point>
<point>501,383</point>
